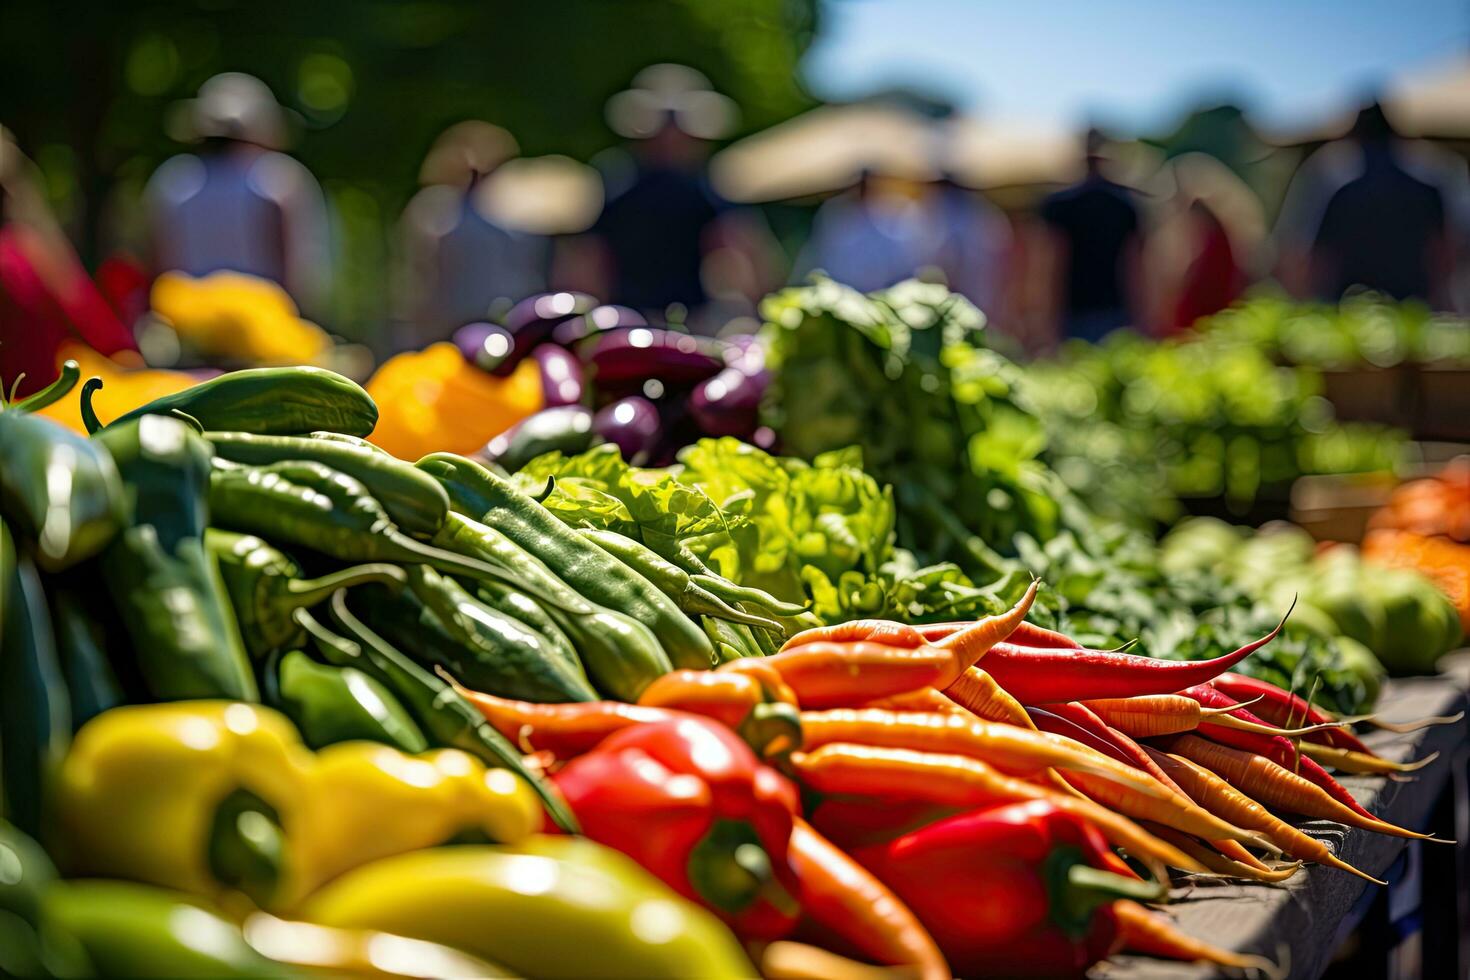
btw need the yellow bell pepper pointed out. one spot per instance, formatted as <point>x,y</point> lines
<point>547,907</point>
<point>434,400</point>
<point>216,798</point>
<point>231,314</point>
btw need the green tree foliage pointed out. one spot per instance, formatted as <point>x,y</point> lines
<point>373,81</point>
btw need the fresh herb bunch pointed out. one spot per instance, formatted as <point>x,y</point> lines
<point>904,373</point>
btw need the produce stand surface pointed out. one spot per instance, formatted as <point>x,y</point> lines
<point>1309,916</point>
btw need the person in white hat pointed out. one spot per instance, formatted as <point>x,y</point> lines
<point>665,237</point>
<point>239,203</point>
<point>456,257</point>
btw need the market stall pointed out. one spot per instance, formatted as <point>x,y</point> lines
<point>847,645</point>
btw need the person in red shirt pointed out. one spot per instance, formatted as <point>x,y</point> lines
<point>46,297</point>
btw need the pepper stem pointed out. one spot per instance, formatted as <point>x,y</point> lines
<point>1077,890</point>
<point>54,392</point>
<point>89,417</point>
<point>306,592</point>
<point>247,846</point>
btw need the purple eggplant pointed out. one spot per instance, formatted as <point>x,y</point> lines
<point>484,345</point>
<point>542,312</point>
<point>597,320</point>
<point>729,403</point>
<point>632,424</point>
<point>565,428</point>
<point>629,356</point>
<point>562,379</point>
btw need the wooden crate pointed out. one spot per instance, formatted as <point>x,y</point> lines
<point>1370,394</point>
<point>1442,398</point>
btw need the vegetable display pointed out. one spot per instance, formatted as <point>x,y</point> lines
<point>276,699</point>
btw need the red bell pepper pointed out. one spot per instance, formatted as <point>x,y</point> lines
<point>690,801</point>
<point>1009,890</point>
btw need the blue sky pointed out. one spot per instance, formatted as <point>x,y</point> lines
<point>1137,64</point>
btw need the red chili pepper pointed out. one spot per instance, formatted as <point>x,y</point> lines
<point>1009,890</point>
<point>1025,635</point>
<point>688,800</point>
<point>1286,709</point>
<point>1127,749</point>
<point>1039,675</point>
<point>1277,748</point>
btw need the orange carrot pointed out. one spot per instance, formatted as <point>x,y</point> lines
<point>922,699</point>
<point>1276,786</point>
<point>1228,803</point>
<point>1220,863</point>
<point>976,690</point>
<point>1012,750</point>
<point>959,781</point>
<point>564,730</point>
<point>1181,813</point>
<point>1346,760</point>
<point>884,631</point>
<point>975,640</point>
<point>844,897</point>
<point>1026,635</point>
<point>1151,715</point>
<point>834,675</point>
<point>1148,932</point>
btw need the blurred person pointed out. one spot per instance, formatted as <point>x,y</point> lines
<point>1371,210</point>
<point>1096,239</point>
<point>975,252</point>
<point>878,233</point>
<point>240,203</point>
<point>46,297</point>
<point>890,228</point>
<point>1205,246</point>
<point>665,237</point>
<point>458,260</point>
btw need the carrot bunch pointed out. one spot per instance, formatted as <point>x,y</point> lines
<point>889,727</point>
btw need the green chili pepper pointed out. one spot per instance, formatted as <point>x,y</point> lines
<point>414,500</point>
<point>59,490</point>
<point>622,656</point>
<point>30,945</point>
<point>81,641</point>
<point>338,704</point>
<point>308,504</point>
<point>164,585</point>
<point>580,563</point>
<point>272,401</point>
<point>35,721</point>
<point>131,930</point>
<point>485,649</point>
<point>674,582</point>
<point>347,440</point>
<point>442,713</point>
<point>519,606</point>
<point>730,644</point>
<point>760,602</point>
<point>764,643</point>
<point>266,588</point>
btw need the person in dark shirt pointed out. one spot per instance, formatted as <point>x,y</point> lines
<point>1385,229</point>
<point>655,230</point>
<point>665,237</point>
<point>1096,232</point>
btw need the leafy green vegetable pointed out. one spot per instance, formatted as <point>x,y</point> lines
<point>1135,424</point>
<point>904,374</point>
